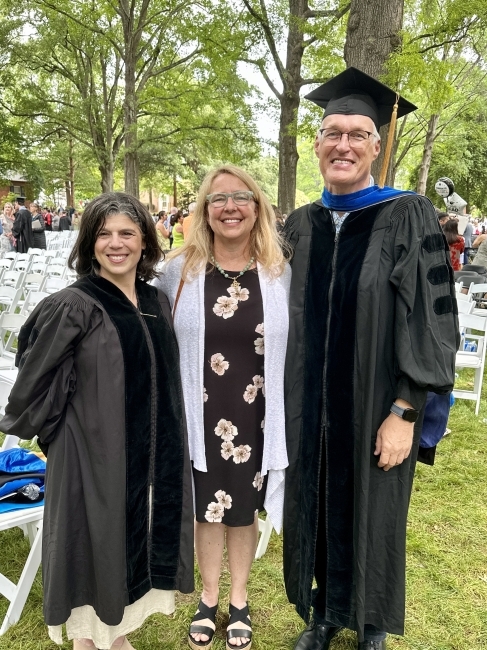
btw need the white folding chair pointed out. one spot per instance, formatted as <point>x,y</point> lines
<point>12,255</point>
<point>9,375</point>
<point>22,265</point>
<point>473,360</point>
<point>10,296</point>
<point>13,279</point>
<point>10,325</point>
<point>31,519</point>
<point>466,306</point>
<point>32,300</point>
<point>6,263</point>
<point>23,257</point>
<point>55,270</point>
<point>35,251</point>
<point>34,281</point>
<point>476,292</point>
<point>59,261</point>
<point>5,388</point>
<point>39,267</point>
<point>265,530</point>
<point>53,284</point>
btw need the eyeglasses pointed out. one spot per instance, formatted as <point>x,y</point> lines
<point>219,199</point>
<point>356,138</point>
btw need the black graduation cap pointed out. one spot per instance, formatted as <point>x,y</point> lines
<point>20,200</point>
<point>353,92</point>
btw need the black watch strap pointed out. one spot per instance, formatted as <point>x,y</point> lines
<point>409,415</point>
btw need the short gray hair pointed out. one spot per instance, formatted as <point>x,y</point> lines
<point>192,207</point>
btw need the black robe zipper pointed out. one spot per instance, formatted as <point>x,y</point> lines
<point>324,406</point>
<point>150,490</point>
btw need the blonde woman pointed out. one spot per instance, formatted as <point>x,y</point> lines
<point>6,238</point>
<point>228,286</point>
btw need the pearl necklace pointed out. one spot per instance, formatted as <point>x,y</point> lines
<point>235,284</point>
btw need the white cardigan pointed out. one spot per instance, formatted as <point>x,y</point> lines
<point>189,324</point>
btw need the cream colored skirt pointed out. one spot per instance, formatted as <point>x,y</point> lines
<point>83,622</point>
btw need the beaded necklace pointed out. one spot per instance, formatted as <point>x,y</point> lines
<point>235,284</point>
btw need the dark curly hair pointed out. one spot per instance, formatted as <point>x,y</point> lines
<point>93,219</point>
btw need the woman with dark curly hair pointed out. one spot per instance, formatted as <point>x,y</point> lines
<point>93,360</point>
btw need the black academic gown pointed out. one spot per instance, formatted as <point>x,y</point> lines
<point>22,230</point>
<point>99,384</point>
<point>373,318</point>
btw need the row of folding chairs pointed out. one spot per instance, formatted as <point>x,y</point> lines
<point>29,520</point>
<point>472,319</point>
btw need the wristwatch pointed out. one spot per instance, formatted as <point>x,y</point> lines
<point>410,415</point>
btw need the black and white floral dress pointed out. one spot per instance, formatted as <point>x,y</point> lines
<point>232,489</point>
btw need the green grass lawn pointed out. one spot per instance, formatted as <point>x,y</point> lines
<point>446,576</point>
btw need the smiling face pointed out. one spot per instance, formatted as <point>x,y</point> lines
<point>346,169</point>
<point>118,249</point>
<point>231,224</point>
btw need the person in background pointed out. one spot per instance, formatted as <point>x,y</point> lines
<point>38,227</point>
<point>6,238</point>
<point>64,221</point>
<point>22,227</point>
<point>443,217</point>
<point>55,221</point>
<point>468,236</point>
<point>456,243</point>
<point>189,219</point>
<point>47,216</point>
<point>75,221</point>
<point>177,229</point>
<point>93,360</point>
<point>228,287</point>
<point>162,231</point>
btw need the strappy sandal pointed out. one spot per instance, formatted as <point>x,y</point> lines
<point>239,616</point>
<point>203,612</point>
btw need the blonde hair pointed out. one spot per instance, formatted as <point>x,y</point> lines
<point>266,246</point>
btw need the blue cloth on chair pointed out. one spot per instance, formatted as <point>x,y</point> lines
<point>18,468</point>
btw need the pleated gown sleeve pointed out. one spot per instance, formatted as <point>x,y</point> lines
<point>426,322</point>
<point>45,358</point>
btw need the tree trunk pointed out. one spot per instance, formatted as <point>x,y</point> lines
<point>288,154</point>
<point>288,123</point>
<point>373,33</point>
<point>131,160</point>
<point>175,190</point>
<point>71,172</point>
<point>107,176</point>
<point>67,189</point>
<point>427,153</point>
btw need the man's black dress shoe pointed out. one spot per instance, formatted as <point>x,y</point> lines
<point>316,637</point>
<point>372,645</point>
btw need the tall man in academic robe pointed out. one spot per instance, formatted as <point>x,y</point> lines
<point>22,227</point>
<point>373,328</point>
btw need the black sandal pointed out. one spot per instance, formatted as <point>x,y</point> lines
<point>239,616</point>
<point>202,613</point>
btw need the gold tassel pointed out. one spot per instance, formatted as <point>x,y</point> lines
<point>390,142</point>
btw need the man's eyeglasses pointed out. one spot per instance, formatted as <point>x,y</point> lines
<point>219,199</point>
<point>356,138</point>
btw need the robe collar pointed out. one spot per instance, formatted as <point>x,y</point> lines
<point>362,199</point>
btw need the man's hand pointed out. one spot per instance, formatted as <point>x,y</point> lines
<point>394,440</point>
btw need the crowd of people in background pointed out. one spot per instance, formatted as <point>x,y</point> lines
<point>465,237</point>
<point>22,227</point>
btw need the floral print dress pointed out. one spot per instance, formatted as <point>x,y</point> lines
<point>232,489</point>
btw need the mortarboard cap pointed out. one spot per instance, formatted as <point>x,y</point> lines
<point>20,200</point>
<point>353,92</point>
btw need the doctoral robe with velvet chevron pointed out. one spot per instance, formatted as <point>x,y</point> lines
<point>99,384</point>
<point>372,319</point>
